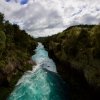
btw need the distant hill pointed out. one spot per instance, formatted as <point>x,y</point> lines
<point>16,49</point>
<point>76,52</point>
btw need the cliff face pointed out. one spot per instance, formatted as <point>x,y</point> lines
<point>76,52</point>
<point>16,49</point>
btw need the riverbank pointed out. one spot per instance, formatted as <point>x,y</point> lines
<point>76,52</point>
<point>16,49</point>
<point>43,82</point>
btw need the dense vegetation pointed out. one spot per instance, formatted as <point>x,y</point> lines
<point>76,52</point>
<point>16,49</point>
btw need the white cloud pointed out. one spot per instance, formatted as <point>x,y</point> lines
<point>45,17</point>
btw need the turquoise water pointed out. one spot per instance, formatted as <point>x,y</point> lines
<point>42,83</point>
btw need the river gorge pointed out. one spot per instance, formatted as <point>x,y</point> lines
<point>42,83</point>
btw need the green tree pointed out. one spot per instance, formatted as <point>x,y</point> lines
<point>2,41</point>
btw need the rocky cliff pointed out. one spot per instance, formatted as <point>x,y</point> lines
<point>76,52</point>
<point>16,49</point>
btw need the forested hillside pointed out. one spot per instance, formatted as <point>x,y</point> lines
<point>76,52</point>
<point>16,49</point>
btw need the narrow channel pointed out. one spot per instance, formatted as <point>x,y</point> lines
<point>42,83</point>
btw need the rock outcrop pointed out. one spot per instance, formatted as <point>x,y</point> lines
<point>76,52</point>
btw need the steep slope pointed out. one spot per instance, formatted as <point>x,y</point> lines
<point>76,52</point>
<point>16,49</point>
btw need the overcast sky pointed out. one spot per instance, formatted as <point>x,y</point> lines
<point>47,17</point>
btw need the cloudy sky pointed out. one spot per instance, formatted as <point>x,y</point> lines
<point>47,17</point>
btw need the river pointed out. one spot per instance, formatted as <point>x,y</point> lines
<point>42,83</point>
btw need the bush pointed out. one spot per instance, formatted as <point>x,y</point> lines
<point>2,41</point>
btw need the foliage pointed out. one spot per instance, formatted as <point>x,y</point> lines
<point>16,49</point>
<point>2,42</point>
<point>77,48</point>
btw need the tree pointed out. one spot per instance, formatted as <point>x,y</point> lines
<point>2,41</point>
